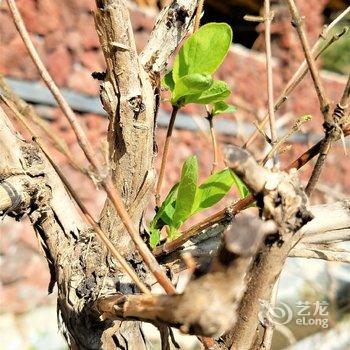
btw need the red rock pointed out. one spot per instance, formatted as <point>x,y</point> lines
<point>7,28</point>
<point>54,39</point>
<point>73,41</point>
<point>16,62</point>
<point>41,16</point>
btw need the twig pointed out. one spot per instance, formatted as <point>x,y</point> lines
<point>312,152</point>
<point>214,142</point>
<point>324,254</point>
<point>106,182</point>
<point>323,100</point>
<point>332,129</point>
<point>298,23</point>
<point>344,101</point>
<point>165,154</point>
<point>197,310</point>
<point>164,336</point>
<point>223,215</point>
<point>268,18</point>
<point>298,76</point>
<point>197,20</point>
<point>283,139</point>
<point>167,35</point>
<point>316,171</point>
<point>262,132</point>
<point>88,216</point>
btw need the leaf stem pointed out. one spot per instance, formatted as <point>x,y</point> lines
<point>165,153</point>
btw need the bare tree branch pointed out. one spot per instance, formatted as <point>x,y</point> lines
<point>171,27</point>
<point>268,15</point>
<point>333,130</point>
<point>298,23</point>
<point>283,200</point>
<point>127,97</point>
<point>207,306</point>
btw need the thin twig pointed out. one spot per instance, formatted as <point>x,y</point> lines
<point>300,73</point>
<point>316,171</point>
<point>106,182</point>
<point>262,133</point>
<point>284,138</point>
<point>268,18</point>
<point>87,215</point>
<point>165,154</point>
<point>220,216</point>
<point>197,20</point>
<point>298,23</point>
<point>214,143</point>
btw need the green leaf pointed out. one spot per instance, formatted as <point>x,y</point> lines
<point>186,192</point>
<point>166,210</point>
<point>203,51</point>
<point>154,237</point>
<point>222,107</point>
<point>168,81</point>
<point>190,84</point>
<point>172,232</point>
<point>218,91</point>
<point>241,187</point>
<point>213,189</point>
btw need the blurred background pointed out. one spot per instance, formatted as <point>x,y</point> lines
<point>64,35</point>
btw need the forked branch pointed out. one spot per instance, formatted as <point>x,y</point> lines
<point>207,305</point>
